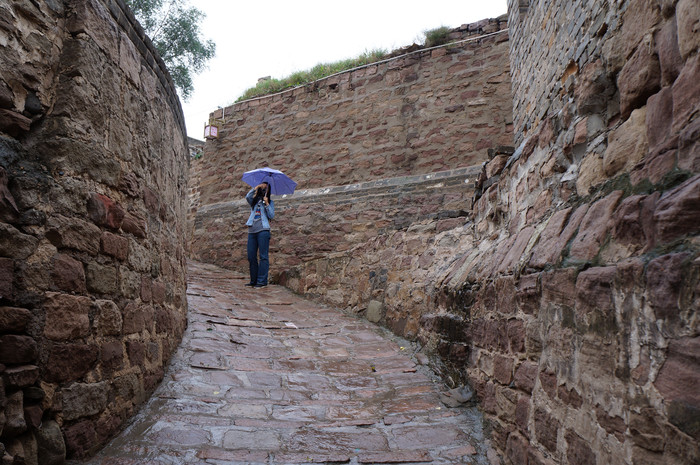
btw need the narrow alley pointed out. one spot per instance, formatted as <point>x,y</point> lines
<point>265,377</point>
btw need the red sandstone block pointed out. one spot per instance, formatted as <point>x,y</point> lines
<point>595,306</point>
<point>664,278</point>
<point>69,362</point>
<point>68,274</point>
<point>678,210</point>
<point>578,451</point>
<point>594,227</point>
<point>114,245</point>
<point>546,428</point>
<point>103,211</point>
<point>525,376</point>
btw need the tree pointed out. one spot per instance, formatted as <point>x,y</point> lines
<point>173,27</point>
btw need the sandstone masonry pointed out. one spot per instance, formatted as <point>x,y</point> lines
<point>93,172</point>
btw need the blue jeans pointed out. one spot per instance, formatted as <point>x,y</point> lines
<point>259,242</point>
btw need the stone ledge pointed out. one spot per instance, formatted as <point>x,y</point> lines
<point>387,186</point>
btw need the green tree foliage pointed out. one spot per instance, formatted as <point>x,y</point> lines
<point>173,27</point>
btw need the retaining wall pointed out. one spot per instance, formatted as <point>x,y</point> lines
<point>93,172</point>
<point>422,112</point>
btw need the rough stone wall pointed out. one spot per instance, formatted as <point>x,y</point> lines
<point>578,297</point>
<point>93,172</point>
<point>318,225</point>
<point>428,111</point>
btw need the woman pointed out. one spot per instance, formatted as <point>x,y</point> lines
<point>262,211</point>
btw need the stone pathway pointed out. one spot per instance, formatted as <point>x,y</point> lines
<point>264,377</point>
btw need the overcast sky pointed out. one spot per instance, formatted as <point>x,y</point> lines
<point>276,38</point>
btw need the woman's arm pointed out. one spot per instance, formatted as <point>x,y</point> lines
<point>250,196</point>
<point>270,210</point>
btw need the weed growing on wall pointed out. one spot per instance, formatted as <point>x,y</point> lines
<point>437,36</point>
<point>271,86</point>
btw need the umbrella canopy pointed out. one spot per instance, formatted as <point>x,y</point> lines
<point>279,182</point>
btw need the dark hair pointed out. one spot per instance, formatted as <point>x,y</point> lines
<point>258,196</point>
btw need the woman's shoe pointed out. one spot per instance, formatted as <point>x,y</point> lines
<point>250,285</point>
<point>260,285</point>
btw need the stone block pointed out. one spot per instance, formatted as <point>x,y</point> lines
<point>590,173</point>
<point>632,222</point>
<point>570,396</point>
<point>546,429</point>
<point>84,400</point>
<point>50,444</point>
<point>627,145</point>
<point>68,274</point>
<point>639,79</point>
<point>522,413</point>
<point>134,318</point>
<point>525,376</point>
<point>664,279</point>
<point>594,228</point>
<point>15,423</point>
<point>158,290</point>
<point>578,451</point>
<point>689,148</point>
<point>73,233</point>
<point>79,438</point>
<point>14,320</point>
<point>111,356</point>
<point>67,316</point>
<point>15,244</point>
<point>108,320</point>
<point>137,352</point>
<point>503,369</point>
<point>595,305</point>
<point>17,349</point>
<point>13,123</point>
<point>527,293</point>
<point>639,18</point>
<point>20,376</point>
<point>114,245</point>
<point>549,246</point>
<point>7,267</point>
<point>614,425</point>
<point>677,211</point>
<point>32,415</point>
<point>659,118</point>
<point>375,311</point>
<point>688,20</point>
<point>69,362</point>
<point>670,60</point>
<point>102,279</point>
<point>164,321</point>
<point>686,94</point>
<point>134,224</point>
<point>594,88</point>
<point>103,211</point>
<point>517,449</point>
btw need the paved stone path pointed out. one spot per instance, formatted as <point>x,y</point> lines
<point>265,377</point>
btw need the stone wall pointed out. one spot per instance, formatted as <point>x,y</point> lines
<point>93,172</point>
<point>421,112</point>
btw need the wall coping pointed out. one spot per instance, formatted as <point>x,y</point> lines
<point>470,175</point>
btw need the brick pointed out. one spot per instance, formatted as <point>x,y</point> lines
<point>73,233</point>
<point>546,429</point>
<point>525,376</point>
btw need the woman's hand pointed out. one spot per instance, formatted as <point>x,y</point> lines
<point>267,201</point>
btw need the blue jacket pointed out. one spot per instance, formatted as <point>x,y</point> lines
<point>267,213</point>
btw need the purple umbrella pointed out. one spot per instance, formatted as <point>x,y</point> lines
<point>280,183</point>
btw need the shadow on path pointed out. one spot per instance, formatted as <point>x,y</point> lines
<point>265,377</point>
